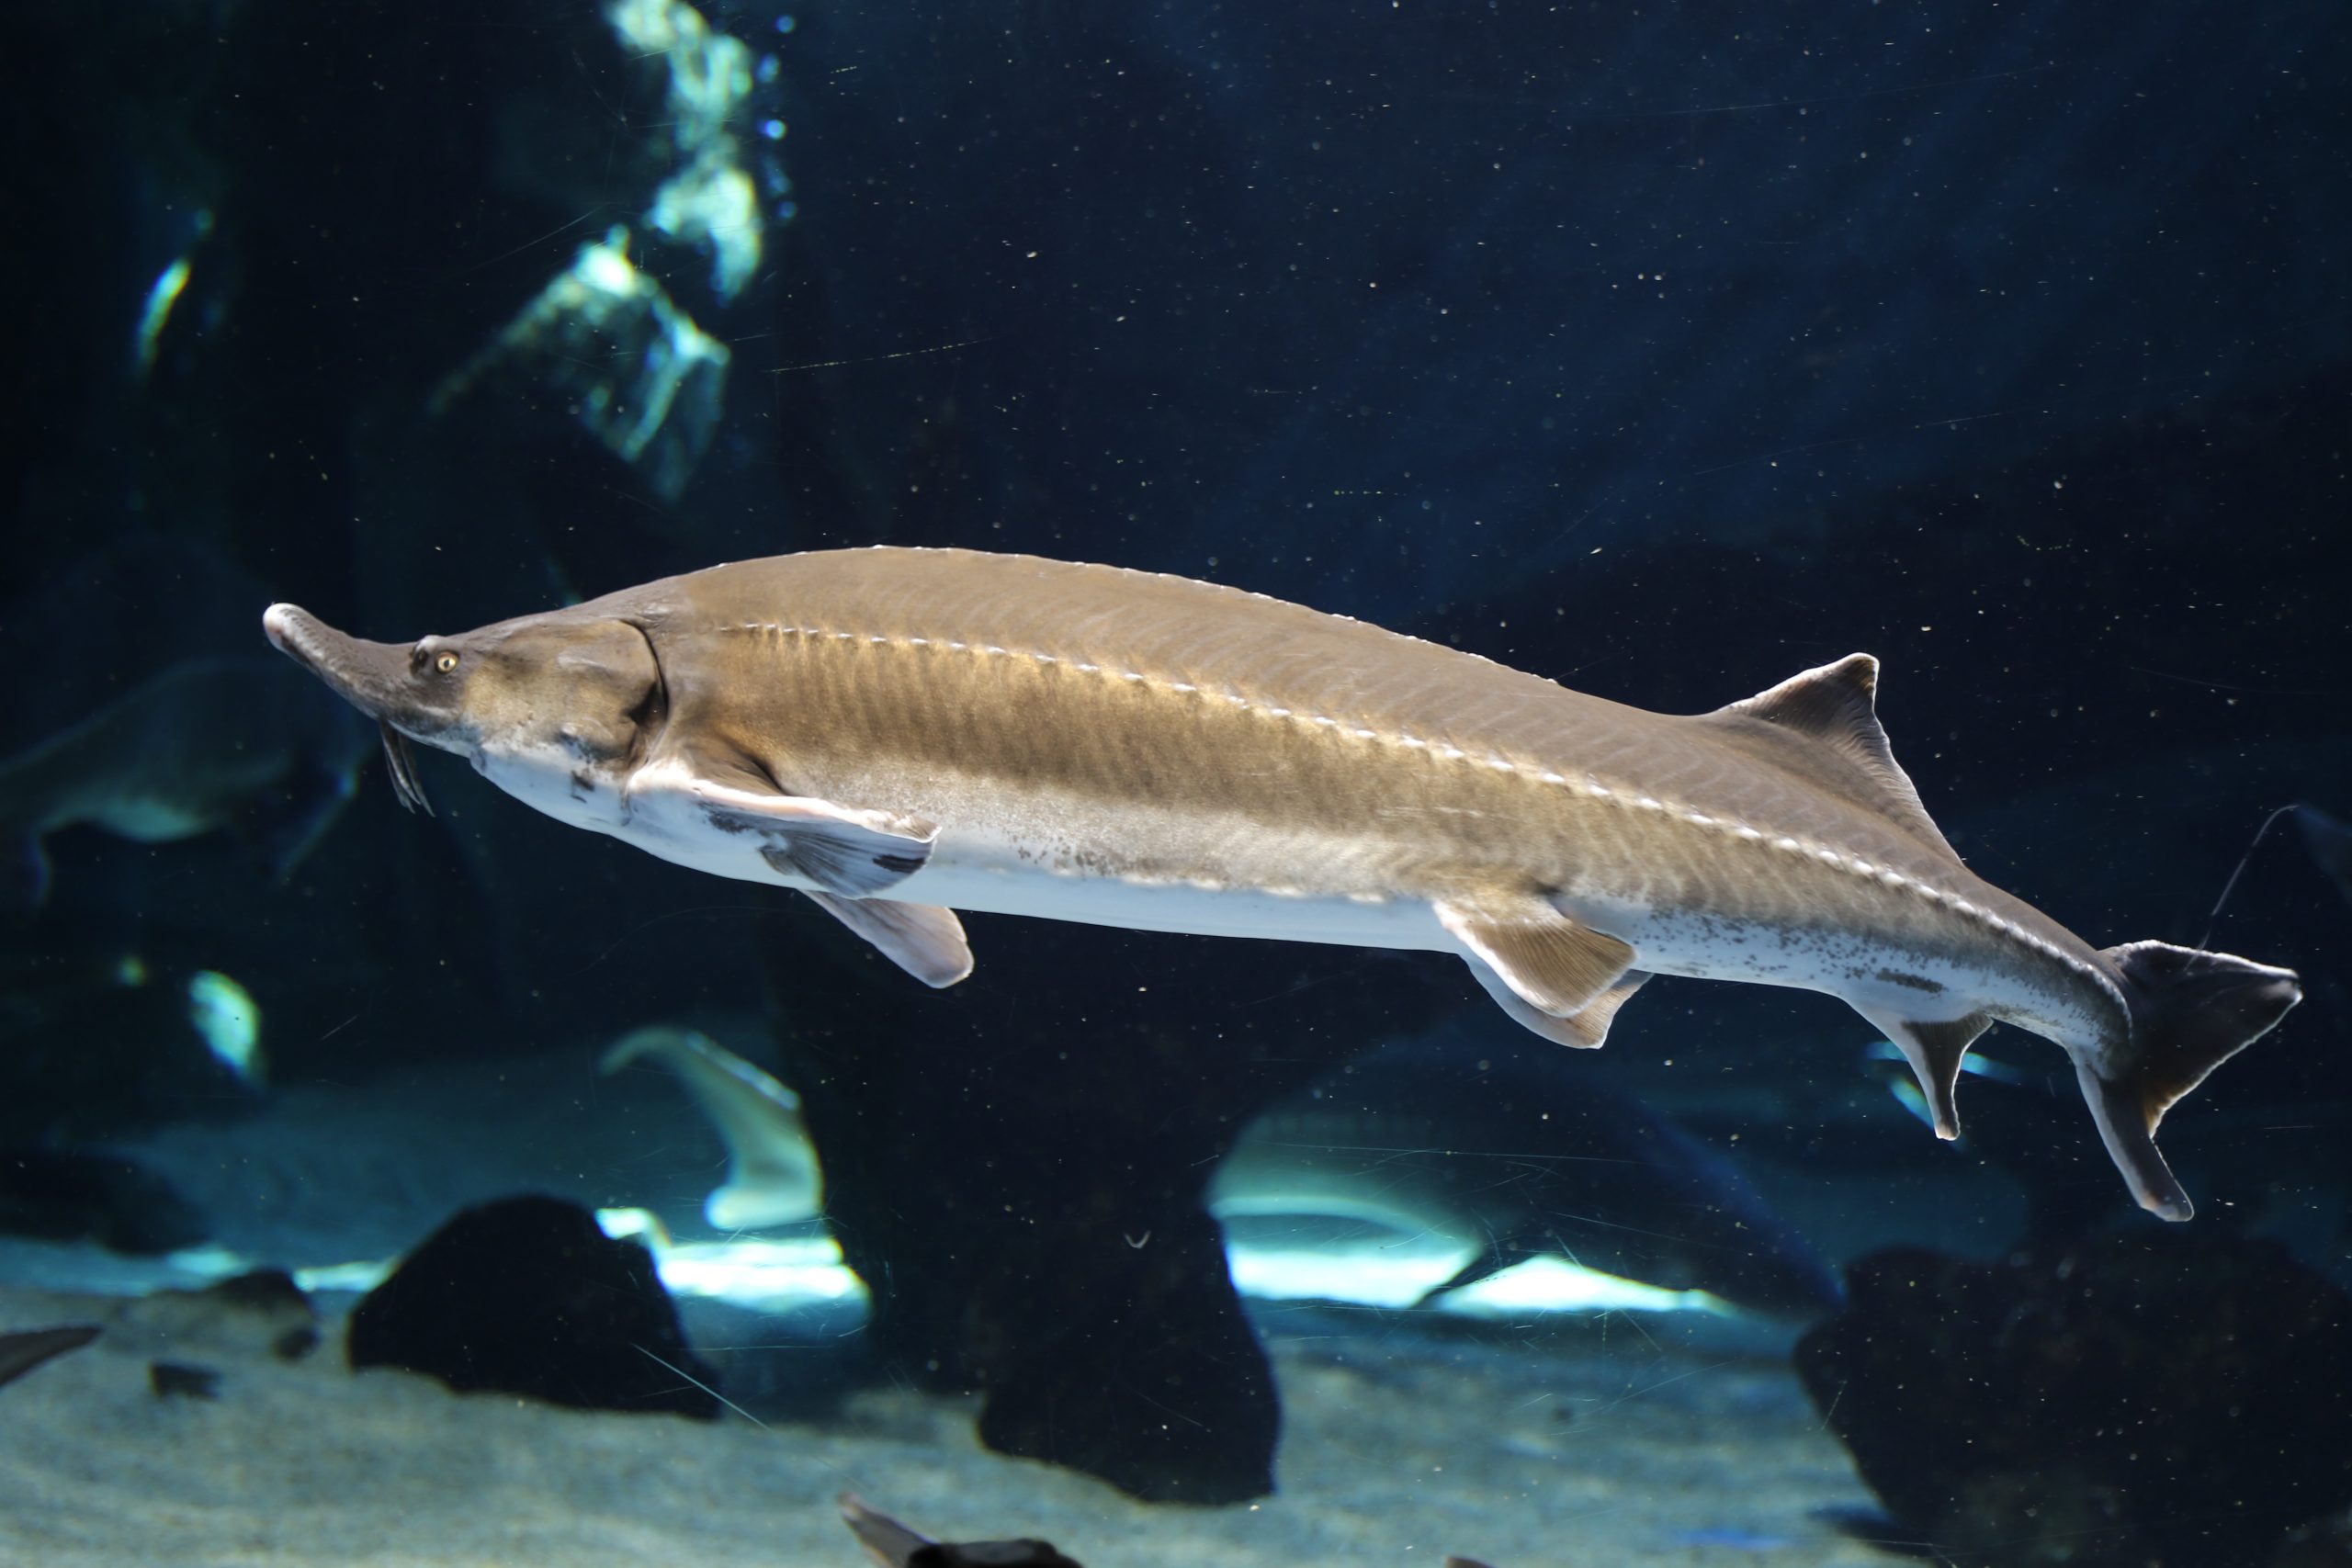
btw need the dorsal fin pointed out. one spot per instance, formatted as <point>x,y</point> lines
<point>1837,704</point>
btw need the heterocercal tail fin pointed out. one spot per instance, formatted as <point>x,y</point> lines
<point>2191,1010</point>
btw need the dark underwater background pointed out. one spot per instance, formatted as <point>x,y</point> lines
<point>1664,351</point>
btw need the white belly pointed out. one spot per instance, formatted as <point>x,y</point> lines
<point>989,870</point>
<point>972,872</point>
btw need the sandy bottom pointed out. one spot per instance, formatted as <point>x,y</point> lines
<point>1600,1446</point>
<point>1525,1439</point>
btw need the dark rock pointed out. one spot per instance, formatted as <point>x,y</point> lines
<point>263,1289</point>
<point>1155,1302</point>
<point>526,1296</point>
<point>183,1380</point>
<point>262,1310</point>
<point>1022,1188</point>
<point>2165,1397</point>
<point>84,1195</point>
<point>273,1294</point>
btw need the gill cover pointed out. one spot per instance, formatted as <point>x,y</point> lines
<point>602,679</point>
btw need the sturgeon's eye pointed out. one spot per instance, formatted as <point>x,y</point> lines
<point>444,663</point>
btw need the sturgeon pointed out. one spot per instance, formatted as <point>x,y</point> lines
<point>904,733</point>
<point>1509,1161</point>
<point>243,744</point>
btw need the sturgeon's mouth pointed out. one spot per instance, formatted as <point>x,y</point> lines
<point>373,677</point>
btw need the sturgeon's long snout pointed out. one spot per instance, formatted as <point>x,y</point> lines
<point>374,677</point>
<point>371,676</point>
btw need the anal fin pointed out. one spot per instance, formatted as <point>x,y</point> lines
<point>1554,964</point>
<point>923,939</point>
<point>1934,1052</point>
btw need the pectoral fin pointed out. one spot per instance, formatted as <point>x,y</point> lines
<point>1553,964</point>
<point>844,850</point>
<point>1584,1029</point>
<point>921,938</point>
<point>1934,1052</point>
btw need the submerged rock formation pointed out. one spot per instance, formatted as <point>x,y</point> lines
<point>2181,1397</point>
<point>526,1296</point>
<point>1018,1174</point>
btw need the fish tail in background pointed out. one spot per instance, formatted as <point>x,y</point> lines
<point>2191,1010</point>
<point>284,825</point>
<point>24,818</point>
<point>2330,842</point>
<point>24,875</point>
